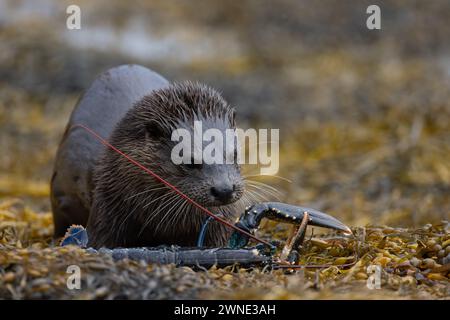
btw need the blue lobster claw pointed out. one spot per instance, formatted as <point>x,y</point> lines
<point>282,212</point>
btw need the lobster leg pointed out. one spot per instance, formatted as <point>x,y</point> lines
<point>290,252</point>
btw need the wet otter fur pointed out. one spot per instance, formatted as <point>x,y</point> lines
<point>121,205</point>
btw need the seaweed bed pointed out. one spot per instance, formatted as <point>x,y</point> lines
<point>415,264</point>
<point>364,136</point>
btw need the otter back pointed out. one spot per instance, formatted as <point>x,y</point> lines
<point>103,104</point>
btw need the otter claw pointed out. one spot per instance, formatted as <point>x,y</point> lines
<point>282,212</point>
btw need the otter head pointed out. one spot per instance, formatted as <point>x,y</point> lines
<point>146,134</point>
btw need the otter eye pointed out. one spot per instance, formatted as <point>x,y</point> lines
<point>153,130</point>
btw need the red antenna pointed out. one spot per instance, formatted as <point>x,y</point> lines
<point>174,188</point>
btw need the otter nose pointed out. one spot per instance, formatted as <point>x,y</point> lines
<point>223,193</point>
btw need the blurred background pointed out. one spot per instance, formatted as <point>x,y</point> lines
<point>363,115</point>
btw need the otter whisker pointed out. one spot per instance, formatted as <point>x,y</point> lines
<point>139,205</point>
<point>159,210</point>
<point>146,191</point>
<point>155,211</point>
<point>187,208</point>
<point>265,196</point>
<point>173,202</point>
<point>174,216</point>
<point>256,196</point>
<point>266,175</point>
<point>259,183</point>
<point>158,198</point>
<point>175,207</point>
<point>245,198</point>
<point>265,191</point>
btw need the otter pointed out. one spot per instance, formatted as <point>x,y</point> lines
<point>136,110</point>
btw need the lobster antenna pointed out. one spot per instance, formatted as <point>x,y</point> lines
<point>174,188</point>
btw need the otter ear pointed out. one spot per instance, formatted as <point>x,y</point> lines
<point>153,130</point>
